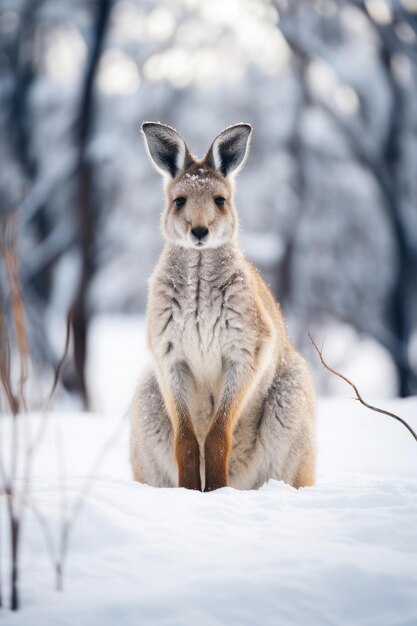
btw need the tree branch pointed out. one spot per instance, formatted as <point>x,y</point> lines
<point>356,390</point>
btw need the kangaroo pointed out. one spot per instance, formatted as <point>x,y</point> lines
<point>228,401</point>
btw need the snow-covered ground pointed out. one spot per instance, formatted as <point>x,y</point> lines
<point>341,553</point>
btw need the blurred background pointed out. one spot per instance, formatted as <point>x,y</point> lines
<point>327,199</point>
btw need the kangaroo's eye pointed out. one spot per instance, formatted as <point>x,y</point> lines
<point>219,201</point>
<point>180,201</point>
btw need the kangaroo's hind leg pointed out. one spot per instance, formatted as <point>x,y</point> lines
<point>276,439</point>
<point>289,424</point>
<point>151,436</point>
<point>306,472</point>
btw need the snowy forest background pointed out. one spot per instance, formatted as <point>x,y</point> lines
<point>327,199</point>
<point>327,202</point>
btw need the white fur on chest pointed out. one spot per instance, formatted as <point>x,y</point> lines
<point>200,326</point>
<point>204,299</point>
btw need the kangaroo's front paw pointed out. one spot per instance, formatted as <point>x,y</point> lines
<point>212,485</point>
<point>188,459</point>
<point>216,451</point>
<point>188,478</point>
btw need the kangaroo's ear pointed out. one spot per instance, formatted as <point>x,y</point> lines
<point>166,148</point>
<point>228,151</point>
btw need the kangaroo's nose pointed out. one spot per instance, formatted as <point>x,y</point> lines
<point>200,232</point>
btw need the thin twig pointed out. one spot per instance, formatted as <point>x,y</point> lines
<point>8,249</point>
<point>35,444</point>
<point>64,508</point>
<point>40,433</point>
<point>356,390</point>
<point>73,514</point>
<point>58,550</point>
<point>5,352</point>
<point>61,362</point>
<point>49,541</point>
<point>18,312</point>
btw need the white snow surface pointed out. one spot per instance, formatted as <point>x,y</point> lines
<point>341,553</point>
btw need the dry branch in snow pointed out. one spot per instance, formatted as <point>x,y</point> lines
<point>15,400</point>
<point>356,390</point>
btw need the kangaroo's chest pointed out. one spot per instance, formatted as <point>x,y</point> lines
<point>205,316</point>
<point>201,326</point>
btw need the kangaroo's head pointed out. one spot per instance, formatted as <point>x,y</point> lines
<point>199,209</point>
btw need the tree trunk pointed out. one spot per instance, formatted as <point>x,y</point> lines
<point>85,200</point>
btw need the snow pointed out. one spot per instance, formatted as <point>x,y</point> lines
<point>340,553</point>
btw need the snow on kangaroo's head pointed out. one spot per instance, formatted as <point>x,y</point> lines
<point>199,209</point>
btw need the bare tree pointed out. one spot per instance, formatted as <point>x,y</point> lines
<point>55,238</point>
<point>87,210</point>
<point>385,164</point>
